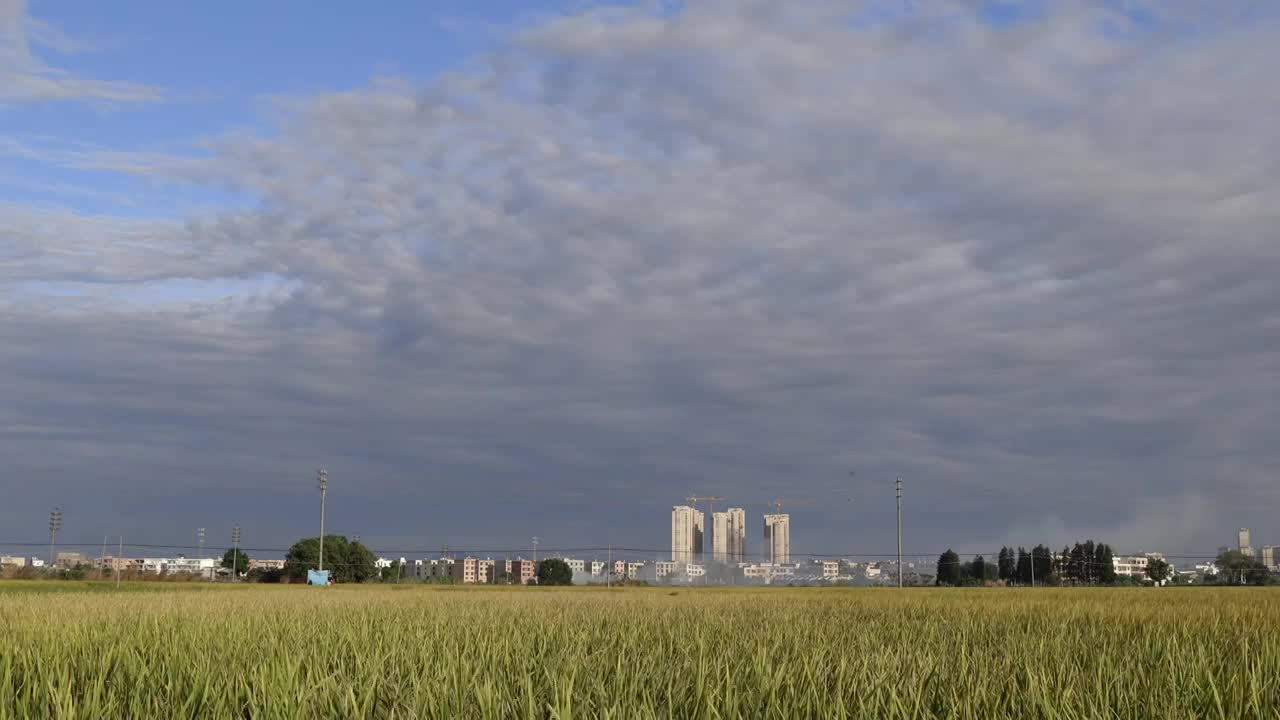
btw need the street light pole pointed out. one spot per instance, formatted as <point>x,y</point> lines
<point>200,542</point>
<point>322,481</point>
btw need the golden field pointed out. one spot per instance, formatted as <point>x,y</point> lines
<point>89,651</point>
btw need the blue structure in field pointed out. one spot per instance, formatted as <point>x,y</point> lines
<point>317,577</point>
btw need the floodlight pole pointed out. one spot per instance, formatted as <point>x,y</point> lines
<point>322,481</point>
<point>898,485</point>
<point>235,553</point>
<point>55,524</point>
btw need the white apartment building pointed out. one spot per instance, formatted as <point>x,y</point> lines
<point>1245,546</point>
<point>830,569</point>
<point>12,561</point>
<point>578,566</point>
<point>597,568</point>
<point>1270,556</point>
<point>663,569</point>
<point>1134,566</point>
<point>777,538</point>
<point>206,568</point>
<point>693,571</point>
<point>686,533</point>
<point>729,535</point>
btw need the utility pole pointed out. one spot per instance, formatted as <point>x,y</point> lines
<point>119,559</point>
<point>608,571</point>
<point>535,560</point>
<point>200,542</point>
<point>898,485</point>
<point>55,524</point>
<point>235,553</point>
<point>322,481</point>
<point>102,559</point>
<point>1033,567</point>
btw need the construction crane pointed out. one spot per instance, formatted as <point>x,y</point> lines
<point>777,503</point>
<point>710,500</point>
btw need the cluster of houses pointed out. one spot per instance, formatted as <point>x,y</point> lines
<point>475,570</point>
<point>206,568</point>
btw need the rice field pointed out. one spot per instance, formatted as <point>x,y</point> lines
<point>420,652</point>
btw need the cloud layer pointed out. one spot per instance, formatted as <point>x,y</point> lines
<point>25,77</point>
<point>735,248</point>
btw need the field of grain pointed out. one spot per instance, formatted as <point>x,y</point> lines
<point>418,652</point>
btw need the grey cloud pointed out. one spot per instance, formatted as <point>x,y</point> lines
<point>736,248</point>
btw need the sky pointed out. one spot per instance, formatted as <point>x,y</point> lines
<point>510,270</point>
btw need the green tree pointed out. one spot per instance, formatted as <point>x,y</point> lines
<point>237,560</point>
<point>1105,563</point>
<point>554,572</point>
<point>393,573</point>
<point>1077,570</point>
<point>1007,565</point>
<point>948,572</point>
<point>1043,564</point>
<point>347,561</point>
<point>261,575</point>
<point>1024,566</point>
<point>1157,570</point>
<point>1236,568</point>
<point>978,569</point>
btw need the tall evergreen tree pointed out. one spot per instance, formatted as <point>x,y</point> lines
<point>1024,566</point>
<point>979,569</point>
<point>1077,565</point>
<point>1106,565</point>
<point>1007,564</point>
<point>948,568</point>
<point>1043,564</point>
<point>1090,562</point>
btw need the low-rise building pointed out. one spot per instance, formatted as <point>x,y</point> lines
<point>12,561</point>
<point>207,568</point>
<point>470,570</point>
<point>433,569</point>
<point>830,569</point>
<point>518,571</point>
<point>69,560</point>
<point>1134,566</point>
<point>769,572</point>
<point>266,564</point>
